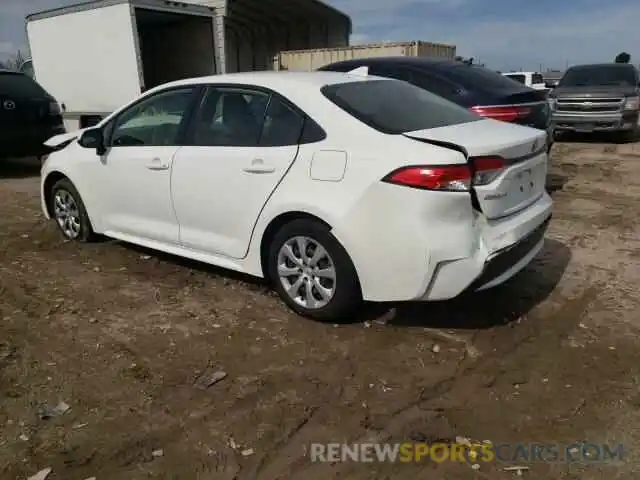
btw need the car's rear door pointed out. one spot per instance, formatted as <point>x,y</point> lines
<point>241,143</point>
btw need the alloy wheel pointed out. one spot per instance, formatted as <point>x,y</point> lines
<point>67,214</point>
<point>307,272</point>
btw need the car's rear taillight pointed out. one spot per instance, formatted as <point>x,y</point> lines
<point>486,169</point>
<point>449,178</point>
<point>54,109</point>
<point>505,114</point>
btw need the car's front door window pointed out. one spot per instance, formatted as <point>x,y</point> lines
<point>154,121</point>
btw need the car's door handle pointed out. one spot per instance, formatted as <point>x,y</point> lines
<point>157,164</point>
<point>258,166</point>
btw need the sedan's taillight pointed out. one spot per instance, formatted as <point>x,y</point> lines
<point>487,169</point>
<point>448,178</point>
<point>505,114</point>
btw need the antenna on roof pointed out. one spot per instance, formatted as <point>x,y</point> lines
<point>361,71</point>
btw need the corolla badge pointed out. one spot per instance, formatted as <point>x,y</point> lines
<point>8,105</point>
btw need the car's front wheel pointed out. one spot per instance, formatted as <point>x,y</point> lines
<point>312,272</point>
<point>69,212</point>
<point>630,136</point>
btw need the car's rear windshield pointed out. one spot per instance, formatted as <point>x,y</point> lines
<point>599,76</point>
<point>474,77</point>
<point>15,84</point>
<point>393,107</point>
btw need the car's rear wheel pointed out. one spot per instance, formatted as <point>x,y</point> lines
<point>69,212</point>
<point>312,272</point>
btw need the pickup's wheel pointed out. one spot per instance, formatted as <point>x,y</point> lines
<point>630,136</point>
<point>312,272</point>
<point>69,212</point>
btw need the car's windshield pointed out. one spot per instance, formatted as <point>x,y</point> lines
<point>19,85</point>
<point>393,107</point>
<point>599,75</point>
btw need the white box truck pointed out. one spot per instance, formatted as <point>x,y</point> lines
<point>96,56</point>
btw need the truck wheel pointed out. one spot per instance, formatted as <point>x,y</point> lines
<point>312,272</point>
<point>69,212</point>
<point>630,136</point>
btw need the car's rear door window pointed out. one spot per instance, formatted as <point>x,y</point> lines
<point>230,117</point>
<point>394,107</point>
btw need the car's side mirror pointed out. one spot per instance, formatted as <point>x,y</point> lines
<point>93,138</point>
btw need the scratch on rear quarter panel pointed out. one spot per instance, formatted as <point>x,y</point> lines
<point>328,165</point>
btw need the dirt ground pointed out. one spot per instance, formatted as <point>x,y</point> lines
<point>121,334</point>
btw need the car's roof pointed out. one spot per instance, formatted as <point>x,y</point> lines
<point>276,80</point>
<point>599,65</point>
<point>520,73</point>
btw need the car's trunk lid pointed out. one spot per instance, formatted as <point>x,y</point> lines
<point>527,107</point>
<point>522,180</point>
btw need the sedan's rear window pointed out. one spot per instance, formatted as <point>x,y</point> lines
<point>476,78</point>
<point>394,107</point>
<point>15,84</point>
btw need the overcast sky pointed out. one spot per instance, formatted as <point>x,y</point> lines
<point>506,34</point>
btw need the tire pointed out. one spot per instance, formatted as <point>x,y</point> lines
<point>345,295</point>
<point>629,136</point>
<point>73,222</point>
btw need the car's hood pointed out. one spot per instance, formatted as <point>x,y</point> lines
<point>63,138</point>
<point>607,91</point>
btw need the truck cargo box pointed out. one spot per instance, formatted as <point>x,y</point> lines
<point>308,60</point>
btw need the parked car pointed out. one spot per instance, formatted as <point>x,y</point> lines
<point>477,88</point>
<point>598,98</point>
<point>533,80</point>
<point>333,190</point>
<point>28,116</point>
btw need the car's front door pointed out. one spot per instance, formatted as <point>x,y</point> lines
<point>240,145</point>
<point>135,178</point>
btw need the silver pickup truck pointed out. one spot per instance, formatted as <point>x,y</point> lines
<point>598,98</point>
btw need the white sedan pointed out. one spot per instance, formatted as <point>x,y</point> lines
<point>336,188</point>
